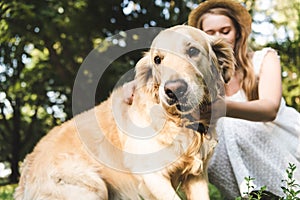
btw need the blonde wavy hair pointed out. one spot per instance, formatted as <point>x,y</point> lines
<point>241,51</point>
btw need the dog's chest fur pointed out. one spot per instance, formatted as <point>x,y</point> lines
<point>181,149</point>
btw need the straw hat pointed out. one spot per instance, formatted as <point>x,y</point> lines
<point>236,8</point>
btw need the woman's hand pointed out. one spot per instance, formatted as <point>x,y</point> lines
<point>211,112</point>
<point>128,91</point>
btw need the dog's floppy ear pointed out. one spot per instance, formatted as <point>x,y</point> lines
<point>145,77</point>
<point>143,69</point>
<point>225,58</point>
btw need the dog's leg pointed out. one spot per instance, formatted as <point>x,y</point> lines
<point>196,187</point>
<point>160,186</point>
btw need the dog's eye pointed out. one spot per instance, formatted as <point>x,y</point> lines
<point>193,51</point>
<point>157,60</point>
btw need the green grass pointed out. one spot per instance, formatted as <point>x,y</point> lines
<point>214,193</point>
<point>6,192</point>
<point>291,189</point>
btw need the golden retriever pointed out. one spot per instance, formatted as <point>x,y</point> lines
<point>144,150</point>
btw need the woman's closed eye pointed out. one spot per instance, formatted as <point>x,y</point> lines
<point>223,31</point>
<point>210,32</point>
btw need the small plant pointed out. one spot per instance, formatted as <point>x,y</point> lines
<point>255,195</point>
<point>259,194</point>
<point>292,189</point>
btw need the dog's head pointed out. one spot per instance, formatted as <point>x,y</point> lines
<point>185,68</point>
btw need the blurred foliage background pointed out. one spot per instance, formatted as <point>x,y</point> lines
<point>44,42</point>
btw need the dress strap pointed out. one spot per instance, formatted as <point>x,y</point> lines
<point>258,58</point>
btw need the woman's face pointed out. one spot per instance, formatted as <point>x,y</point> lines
<point>219,25</point>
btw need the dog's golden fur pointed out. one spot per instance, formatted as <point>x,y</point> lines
<point>99,154</point>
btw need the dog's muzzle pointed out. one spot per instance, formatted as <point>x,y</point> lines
<point>176,94</point>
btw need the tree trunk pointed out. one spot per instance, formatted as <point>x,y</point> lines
<point>14,162</point>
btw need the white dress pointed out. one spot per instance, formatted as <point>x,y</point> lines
<point>261,150</point>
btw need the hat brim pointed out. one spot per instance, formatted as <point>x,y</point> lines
<point>237,9</point>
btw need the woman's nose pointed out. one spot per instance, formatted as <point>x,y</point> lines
<point>217,34</point>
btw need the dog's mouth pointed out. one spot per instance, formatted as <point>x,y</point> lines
<point>176,96</point>
<point>185,111</point>
<point>177,101</point>
<point>199,124</point>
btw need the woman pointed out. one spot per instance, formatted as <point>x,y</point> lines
<point>260,135</point>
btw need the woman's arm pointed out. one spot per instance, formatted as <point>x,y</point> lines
<point>269,90</point>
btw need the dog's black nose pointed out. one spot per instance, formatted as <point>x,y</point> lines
<point>175,89</point>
